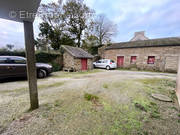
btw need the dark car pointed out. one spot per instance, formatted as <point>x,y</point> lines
<point>14,66</point>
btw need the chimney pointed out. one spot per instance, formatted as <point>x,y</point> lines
<point>142,33</point>
<point>139,36</point>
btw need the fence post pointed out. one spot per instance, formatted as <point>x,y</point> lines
<point>31,67</point>
<point>178,81</point>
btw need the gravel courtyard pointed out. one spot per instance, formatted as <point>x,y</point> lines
<point>118,103</point>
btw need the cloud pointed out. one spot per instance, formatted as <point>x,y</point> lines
<point>11,33</point>
<point>159,18</point>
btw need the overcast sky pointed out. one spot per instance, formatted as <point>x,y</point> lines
<point>159,18</point>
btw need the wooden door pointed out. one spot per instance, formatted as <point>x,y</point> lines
<point>120,61</point>
<point>83,64</point>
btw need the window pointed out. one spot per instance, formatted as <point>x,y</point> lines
<point>112,61</point>
<point>151,60</point>
<point>133,59</point>
<point>18,61</point>
<point>2,60</point>
<point>99,61</point>
<point>105,61</point>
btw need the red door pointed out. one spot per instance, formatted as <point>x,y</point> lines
<point>120,61</point>
<point>83,64</point>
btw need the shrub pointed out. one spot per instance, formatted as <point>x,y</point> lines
<point>14,53</point>
<point>105,86</point>
<point>90,97</point>
<point>43,57</point>
<point>56,66</point>
<point>46,57</point>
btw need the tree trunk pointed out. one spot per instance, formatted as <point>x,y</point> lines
<point>79,40</point>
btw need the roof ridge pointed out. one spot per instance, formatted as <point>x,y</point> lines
<point>77,52</point>
<point>158,42</point>
<point>146,40</point>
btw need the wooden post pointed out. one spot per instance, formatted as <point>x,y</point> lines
<point>31,67</point>
<point>178,82</point>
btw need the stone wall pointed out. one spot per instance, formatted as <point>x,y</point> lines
<point>74,63</point>
<point>68,60</point>
<point>90,64</point>
<point>101,51</point>
<point>166,58</point>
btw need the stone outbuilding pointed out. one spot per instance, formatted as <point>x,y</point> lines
<point>76,59</point>
<point>143,53</point>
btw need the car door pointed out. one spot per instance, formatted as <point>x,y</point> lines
<point>98,63</point>
<point>4,71</point>
<point>18,66</point>
<point>104,63</point>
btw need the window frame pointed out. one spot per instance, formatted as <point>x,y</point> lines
<point>14,60</point>
<point>131,60</point>
<point>151,62</point>
<point>4,59</point>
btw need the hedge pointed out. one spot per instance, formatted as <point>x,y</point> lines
<point>43,57</point>
<point>14,53</point>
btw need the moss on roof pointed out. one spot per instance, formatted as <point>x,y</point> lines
<point>77,52</point>
<point>161,42</point>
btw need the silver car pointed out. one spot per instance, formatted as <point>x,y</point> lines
<point>105,63</point>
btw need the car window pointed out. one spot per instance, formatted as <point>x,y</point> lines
<point>112,61</point>
<point>99,61</point>
<point>3,60</point>
<point>102,61</point>
<point>17,61</point>
<point>105,61</point>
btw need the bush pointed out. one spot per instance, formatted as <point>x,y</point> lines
<point>43,57</point>
<point>90,97</point>
<point>49,58</point>
<point>46,57</point>
<point>14,53</point>
<point>56,66</point>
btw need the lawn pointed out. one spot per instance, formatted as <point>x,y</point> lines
<point>92,103</point>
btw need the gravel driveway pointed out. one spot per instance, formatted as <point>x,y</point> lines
<point>110,85</point>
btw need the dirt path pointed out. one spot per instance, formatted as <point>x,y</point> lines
<point>114,87</point>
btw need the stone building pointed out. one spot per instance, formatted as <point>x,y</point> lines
<point>143,53</point>
<point>76,59</point>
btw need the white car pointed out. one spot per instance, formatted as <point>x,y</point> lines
<point>105,63</point>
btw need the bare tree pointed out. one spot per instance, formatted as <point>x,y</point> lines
<point>104,29</point>
<point>51,13</point>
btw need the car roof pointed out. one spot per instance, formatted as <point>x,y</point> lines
<point>104,59</point>
<point>11,57</point>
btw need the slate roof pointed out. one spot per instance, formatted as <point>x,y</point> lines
<point>77,52</point>
<point>161,42</point>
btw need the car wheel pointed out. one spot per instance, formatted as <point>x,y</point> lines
<point>94,66</point>
<point>108,67</point>
<point>42,73</point>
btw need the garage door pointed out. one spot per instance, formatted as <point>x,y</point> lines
<point>120,61</point>
<point>171,63</point>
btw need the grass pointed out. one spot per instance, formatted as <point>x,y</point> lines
<point>105,86</point>
<point>75,74</point>
<point>57,84</point>
<point>140,70</point>
<point>121,107</point>
<point>157,85</point>
<point>24,89</point>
